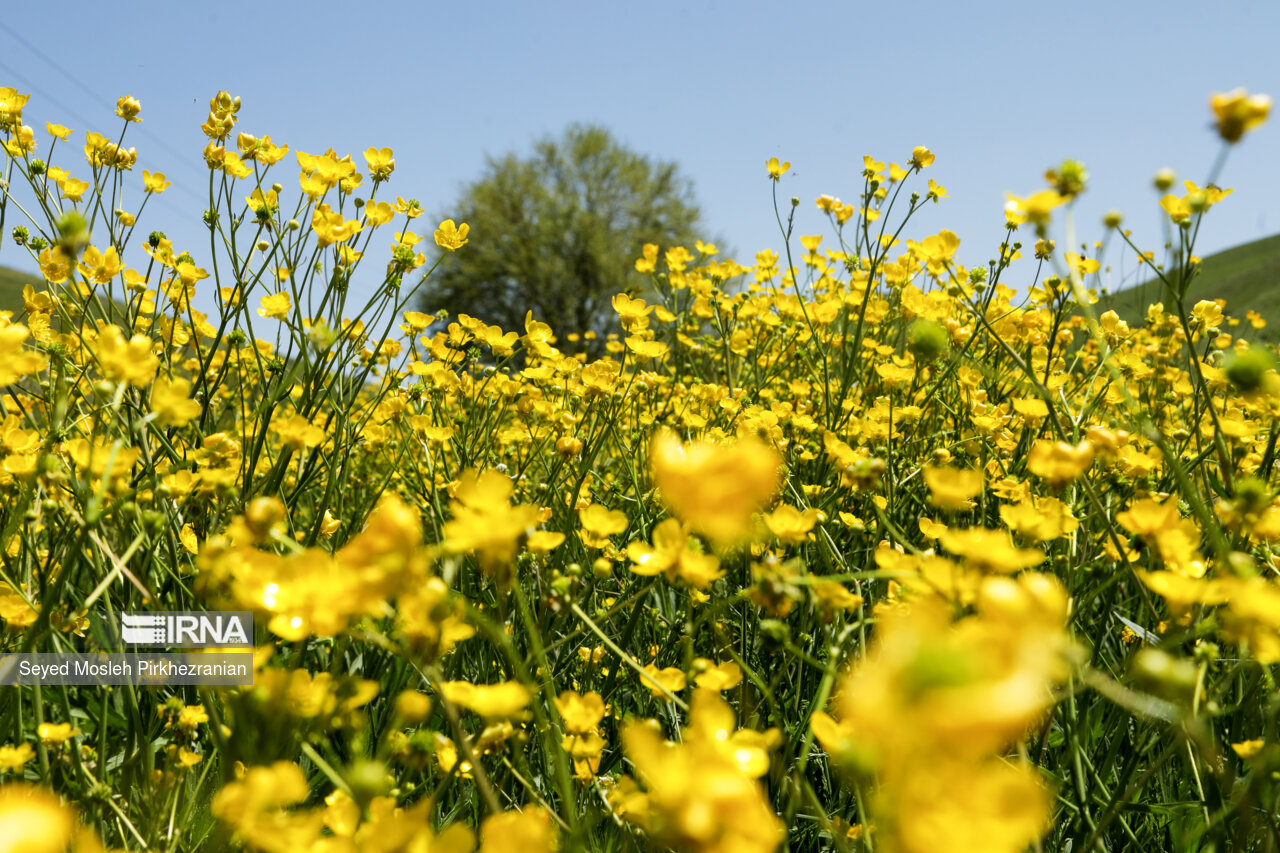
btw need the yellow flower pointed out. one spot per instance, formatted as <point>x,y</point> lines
<point>72,189</point>
<point>171,401</point>
<point>776,169</point>
<point>378,213</point>
<point>544,541</point>
<point>328,524</point>
<point>992,807</point>
<point>450,236</point>
<point>1059,463</point>
<point>894,374</point>
<point>1039,519</point>
<point>646,349</point>
<point>431,620</point>
<point>1147,517</point>
<point>58,131</point>
<point>832,596</point>
<point>128,108</point>
<point>298,432</point>
<point>715,487</point>
<point>662,682</point>
<point>184,757</point>
<point>484,521</point>
<point>100,267</point>
<point>507,700</point>
<point>129,361</point>
<point>257,808</point>
<point>1249,748</point>
<point>581,713</point>
<point>418,321</point>
<point>921,157</point>
<point>952,488</point>
<point>931,711</point>
<point>1036,207</point>
<point>381,163</point>
<point>331,227</point>
<point>649,260</point>
<point>718,677</point>
<point>789,525</point>
<point>671,555</point>
<point>15,360</point>
<point>630,310</point>
<point>263,205</point>
<point>33,820</point>
<point>275,306</point>
<point>11,104</point>
<point>1082,266</point>
<point>13,757</point>
<point>699,797</point>
<point>989,551</point>
<point>1238,112</point>
<point>56,733</point>
<point>599,523</point>
<point>411,208</point>
<point>1031,408</point>
<point>530,831</point>
<point>1177,208</point>
<point>187,536</point>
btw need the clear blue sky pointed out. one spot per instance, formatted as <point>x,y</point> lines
<point>999,91</point>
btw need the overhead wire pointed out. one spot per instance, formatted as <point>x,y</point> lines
<point>26,83</point>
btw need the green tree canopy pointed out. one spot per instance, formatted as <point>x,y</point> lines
<point>558,232</point>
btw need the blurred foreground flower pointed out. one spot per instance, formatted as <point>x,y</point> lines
<point>932,709</point>
<point>715,488</point>
<point>1238,112</point>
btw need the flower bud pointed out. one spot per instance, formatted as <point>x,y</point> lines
<point>927,340</point>
<point>73,231</point>
<point>1246,368</point>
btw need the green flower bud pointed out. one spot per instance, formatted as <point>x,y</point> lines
<point>1247,368</point>
<point>73,231</point>
<point>1069,178</point>
<point>927,340</point>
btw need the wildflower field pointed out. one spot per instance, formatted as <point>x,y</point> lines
<point>873,544</point>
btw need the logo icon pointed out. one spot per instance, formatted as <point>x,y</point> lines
<point>188,629</point>
<point>143,629</point>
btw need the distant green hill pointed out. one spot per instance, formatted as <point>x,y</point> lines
<point>1247,276</point>
<point>11,282</point>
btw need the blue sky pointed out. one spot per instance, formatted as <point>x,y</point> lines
<point>999,91</point>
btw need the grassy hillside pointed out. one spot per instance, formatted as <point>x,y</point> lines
<point>11,282</point>
<point>1246,276</point>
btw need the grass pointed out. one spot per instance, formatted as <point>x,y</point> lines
<point>11,283</point>
<point>1242,275</point>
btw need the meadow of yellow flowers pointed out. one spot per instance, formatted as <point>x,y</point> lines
<point>854,549</point>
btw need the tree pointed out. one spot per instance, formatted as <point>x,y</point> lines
<point>558,233</point>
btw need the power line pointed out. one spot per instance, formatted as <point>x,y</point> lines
<point>96,97</point>
<point>75,114</point>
